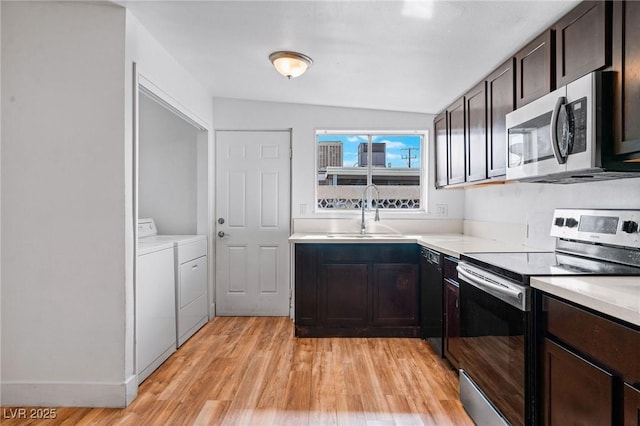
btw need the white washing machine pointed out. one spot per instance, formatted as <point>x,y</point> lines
<point>191,270</point>
<point>155,306</point>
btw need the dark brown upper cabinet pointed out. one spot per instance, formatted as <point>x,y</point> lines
<point>583,41</point>
<point>626,62</point>
<point>535,74</point>
<point>501,100</point>
<point>476,133</point>
<point>456,145</point>
<point>440,131</point>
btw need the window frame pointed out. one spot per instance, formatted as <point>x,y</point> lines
<point>370,172</point>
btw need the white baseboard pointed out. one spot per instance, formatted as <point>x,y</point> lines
<point>68,394</point>
<point>212,311</point>
<point>130,389</point>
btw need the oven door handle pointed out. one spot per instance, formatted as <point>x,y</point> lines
<point>480,283</point>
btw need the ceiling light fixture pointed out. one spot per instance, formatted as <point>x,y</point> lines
<point>290,64</point>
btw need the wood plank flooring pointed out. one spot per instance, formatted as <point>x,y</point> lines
<point>253,371</point>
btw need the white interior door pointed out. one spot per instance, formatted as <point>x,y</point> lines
<point>252,222</point>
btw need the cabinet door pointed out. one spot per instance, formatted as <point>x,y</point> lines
<point>575,391</point>
<point>440,130</point>
<point>631,406</point>
<point>501,100</point>
<point>534,65</point>
<point>344,297</point>
<point>451,321</point>
<point>626,61</point>
<point>476,133</point>
<point>583,41</point>
<point>306,285</point>
<point>456,147</point>
<point>395,299</point>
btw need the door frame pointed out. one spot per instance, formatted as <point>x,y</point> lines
<point>289,202</point>
<point>141,83</point>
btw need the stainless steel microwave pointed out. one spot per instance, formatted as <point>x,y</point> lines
<point>566,135</point>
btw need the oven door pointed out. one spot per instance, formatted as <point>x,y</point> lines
<point>495,336</point>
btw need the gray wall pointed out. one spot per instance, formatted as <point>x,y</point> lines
<point>168,169</point>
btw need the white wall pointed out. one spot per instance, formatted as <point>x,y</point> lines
<point>67,197</point>
<point>167,158</point>
<point>305,120</point>
<point>532,204</point>
<point>64,274</point>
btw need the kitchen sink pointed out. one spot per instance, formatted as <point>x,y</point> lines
<point>367,236</point>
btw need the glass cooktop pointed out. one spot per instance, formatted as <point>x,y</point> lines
<point>521,266</point>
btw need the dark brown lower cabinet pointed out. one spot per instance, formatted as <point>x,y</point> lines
<point>357,290</point>
<point>575,391</point>
<point>451,311</point>
<point>590,370</point>
<point>631,406</point>
<point>451,321</point>
<point>343,299</point>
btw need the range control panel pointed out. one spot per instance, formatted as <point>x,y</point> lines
<point>612,227</point>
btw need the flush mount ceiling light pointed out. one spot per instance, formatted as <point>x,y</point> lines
<point>290,64</point>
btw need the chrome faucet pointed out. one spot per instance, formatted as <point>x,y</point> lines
<point>363,228</point>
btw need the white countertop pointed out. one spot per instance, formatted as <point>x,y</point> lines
<point>615,296</point>
<point>449,244</point>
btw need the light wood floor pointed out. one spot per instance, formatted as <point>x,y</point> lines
<point>252,371</point>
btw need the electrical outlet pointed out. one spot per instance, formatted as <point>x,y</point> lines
<point>442,209</point>
<point>303,209</point>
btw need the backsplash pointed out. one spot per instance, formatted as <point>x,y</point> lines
<point>391,226</point>
<point>532,204</point>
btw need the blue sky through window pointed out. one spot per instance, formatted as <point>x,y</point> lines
<point>398,148</point>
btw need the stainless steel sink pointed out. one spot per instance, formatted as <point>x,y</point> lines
<point>366,236</point>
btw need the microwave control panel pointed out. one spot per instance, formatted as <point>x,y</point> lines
<point>578,114</point>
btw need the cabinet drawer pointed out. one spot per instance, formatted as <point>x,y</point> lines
<point>603,340</point>
<point>193,280</point>
<point>450,265</point>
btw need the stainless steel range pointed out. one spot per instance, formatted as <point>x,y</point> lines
<point>496,343</point>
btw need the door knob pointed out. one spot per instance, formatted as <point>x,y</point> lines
<point>221,234</point>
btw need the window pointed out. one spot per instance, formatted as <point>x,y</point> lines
<point>348,162</point>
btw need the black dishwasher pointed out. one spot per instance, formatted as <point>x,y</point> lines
<point>431,304</point>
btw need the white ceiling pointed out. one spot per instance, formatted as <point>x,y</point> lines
<point>415,56</point>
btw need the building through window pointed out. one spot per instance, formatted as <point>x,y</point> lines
<point>348,162</point>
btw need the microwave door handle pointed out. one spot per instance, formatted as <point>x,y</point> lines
<point>553,130</point>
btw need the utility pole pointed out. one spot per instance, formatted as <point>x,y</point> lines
<point>408,156</point>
